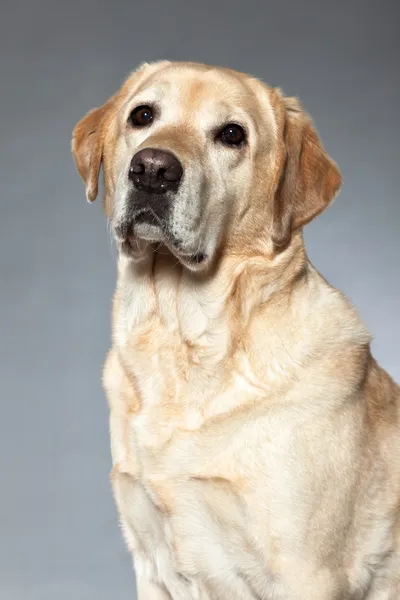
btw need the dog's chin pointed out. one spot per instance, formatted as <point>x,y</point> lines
<point>141,236</point>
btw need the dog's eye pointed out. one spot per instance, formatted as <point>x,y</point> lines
<point>232,135</point>
<point>141,116</point>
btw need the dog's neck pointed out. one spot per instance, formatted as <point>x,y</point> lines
<point>206,309</point>
<point>201,332</point>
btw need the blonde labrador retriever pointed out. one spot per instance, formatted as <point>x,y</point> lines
<point>255,440</point>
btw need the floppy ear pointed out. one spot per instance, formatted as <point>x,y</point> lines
<point>309,179</point>
<point>87,145</point>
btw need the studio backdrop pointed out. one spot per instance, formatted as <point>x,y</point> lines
<point>59,535</point>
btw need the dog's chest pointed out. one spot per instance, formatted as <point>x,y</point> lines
<point>198,522</point>
<point>191,511</point>
<point>187,500</point>
<point>181,481</point>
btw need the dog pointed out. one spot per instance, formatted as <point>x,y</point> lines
<point>255,440</point>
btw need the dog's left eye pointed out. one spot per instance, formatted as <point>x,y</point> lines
<point>232,135</point>
<point>141,116</point>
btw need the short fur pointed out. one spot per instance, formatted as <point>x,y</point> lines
<point>255,440</point>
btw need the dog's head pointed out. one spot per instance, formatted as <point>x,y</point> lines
<point>201,160</point>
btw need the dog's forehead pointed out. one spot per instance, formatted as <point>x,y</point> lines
<point>197,87</point>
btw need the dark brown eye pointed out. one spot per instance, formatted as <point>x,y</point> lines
<point>141,116</point>
<point>232,135</point>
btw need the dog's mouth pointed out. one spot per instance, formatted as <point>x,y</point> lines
<point>144,230</point>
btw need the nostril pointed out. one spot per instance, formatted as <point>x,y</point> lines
<point>174,173</point>
<point>137,168</point>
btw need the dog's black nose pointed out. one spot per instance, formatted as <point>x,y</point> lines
<point>155,171</point>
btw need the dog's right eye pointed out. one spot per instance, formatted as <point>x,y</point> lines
<point>232,135</point>
<point>141,116</point>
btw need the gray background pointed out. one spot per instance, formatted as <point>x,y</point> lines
<point>59,537</point>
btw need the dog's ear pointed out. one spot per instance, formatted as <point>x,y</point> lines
<point>309,178</point>
<point>89,133</point>
<point>87,145</point>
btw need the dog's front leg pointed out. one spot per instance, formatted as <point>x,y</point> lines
<point>131,503</point>
<point>128,493</point>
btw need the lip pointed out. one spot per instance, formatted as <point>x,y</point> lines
<point>194,262</point>
<point>134,238</point>
<point>148,232</point>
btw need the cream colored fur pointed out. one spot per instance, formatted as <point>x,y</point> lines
<point>255,441</point>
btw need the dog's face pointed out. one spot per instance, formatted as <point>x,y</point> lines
<point>202,159</point>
